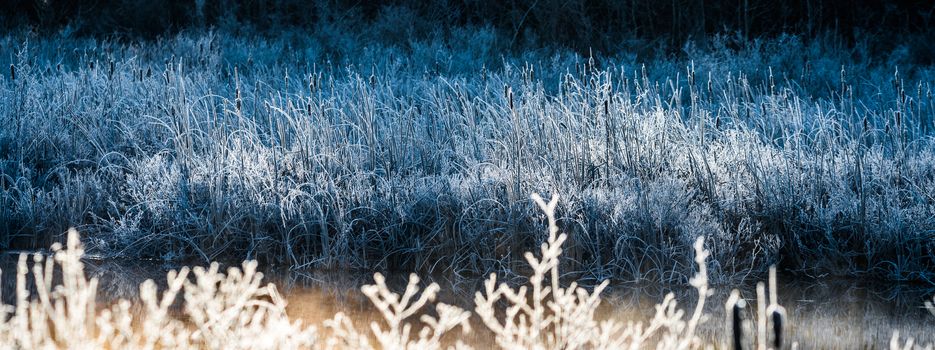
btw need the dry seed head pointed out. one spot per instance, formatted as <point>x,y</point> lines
<point>509,96</point>
<point>777,317</point>
<point>735,309</point>
<point>896,80</point>
<point>691,73</point>
<point>237,99</point>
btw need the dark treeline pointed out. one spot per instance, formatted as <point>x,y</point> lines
<point>577,24</point>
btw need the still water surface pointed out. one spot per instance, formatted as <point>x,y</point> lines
<point>828,314</point>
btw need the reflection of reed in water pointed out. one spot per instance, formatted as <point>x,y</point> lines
<point>121,279</point>
<point>117,279</point>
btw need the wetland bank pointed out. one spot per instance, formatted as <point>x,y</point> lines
<point>400,138</point>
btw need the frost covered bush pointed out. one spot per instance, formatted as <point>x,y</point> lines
<point>234,310</point>
<point>222,311</point>
<point>205,308</point>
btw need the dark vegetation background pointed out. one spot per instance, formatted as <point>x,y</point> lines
<point>601,25</point>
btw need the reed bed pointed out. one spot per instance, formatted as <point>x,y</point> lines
<point>331,154</point>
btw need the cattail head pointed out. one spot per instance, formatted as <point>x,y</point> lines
<point>691,74</point>
<point>843,80</point>
<point>775,312</point>
<point>237,98</point>
<point>777,316</point>
<point>735,308</point>
<point>737,324</point>
<point>710,85</point>
<point>772,82</point>
<point>508,92</point>
<point>896,80</point>
<point>12,71</point>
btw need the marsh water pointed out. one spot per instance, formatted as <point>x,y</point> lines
<point>826,313</point>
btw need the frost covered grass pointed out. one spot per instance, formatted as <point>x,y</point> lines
<point>208,309</point>
<point>418,157</point>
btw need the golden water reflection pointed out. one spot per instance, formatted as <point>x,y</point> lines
<point>828,314</point>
